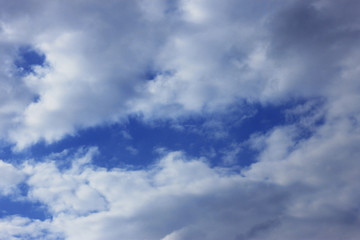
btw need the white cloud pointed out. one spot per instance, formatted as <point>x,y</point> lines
<point>175,195</point>
<point>64,191</point>
<point>291,193</point>
<point>16,227</point>
<point>10,177</point>
<point>204,54</point>
<point>94,62</point>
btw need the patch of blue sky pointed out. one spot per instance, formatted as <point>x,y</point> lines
<point>135,142</point>
<point>33,210</point>
<point>27,58</point>
<point>18,205</point>
<point>151,73</point>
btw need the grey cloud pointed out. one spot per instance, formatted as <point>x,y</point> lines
<point>10,177</point>
<point>261,227</point>
<point>317,40</point>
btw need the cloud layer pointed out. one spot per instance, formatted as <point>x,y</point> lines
<point>168,60</point>
<point>285,195</point>
<point>161,60</point>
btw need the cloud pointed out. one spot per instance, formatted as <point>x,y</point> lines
<point>201,55</point>
<point>63,191</point>
<point>132,150</point>
<point>16,227</point>
<point>291,192</point>
<point>87,76</point>
<point>176,196</point>
<point>161,60</point>
<point>10,177</point>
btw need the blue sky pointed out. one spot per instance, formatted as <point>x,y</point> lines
<point>178,120</point>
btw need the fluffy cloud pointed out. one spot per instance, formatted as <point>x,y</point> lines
<point>63,191</point>
<point>177,198</point>
<point>16,227</point>
<point>91,69</point>
<point>105,61</point>
<point>161,59</point>
<point>296,190</point>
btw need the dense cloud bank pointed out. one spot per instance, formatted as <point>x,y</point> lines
<point>105,61</point>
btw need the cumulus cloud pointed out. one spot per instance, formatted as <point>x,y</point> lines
<point>175,198</point>
<point>290,193</point>
<point>107,60</point>
<point>91,67</point>
<point>169,60</point>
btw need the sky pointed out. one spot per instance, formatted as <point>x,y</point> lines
<point>180,119</point>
